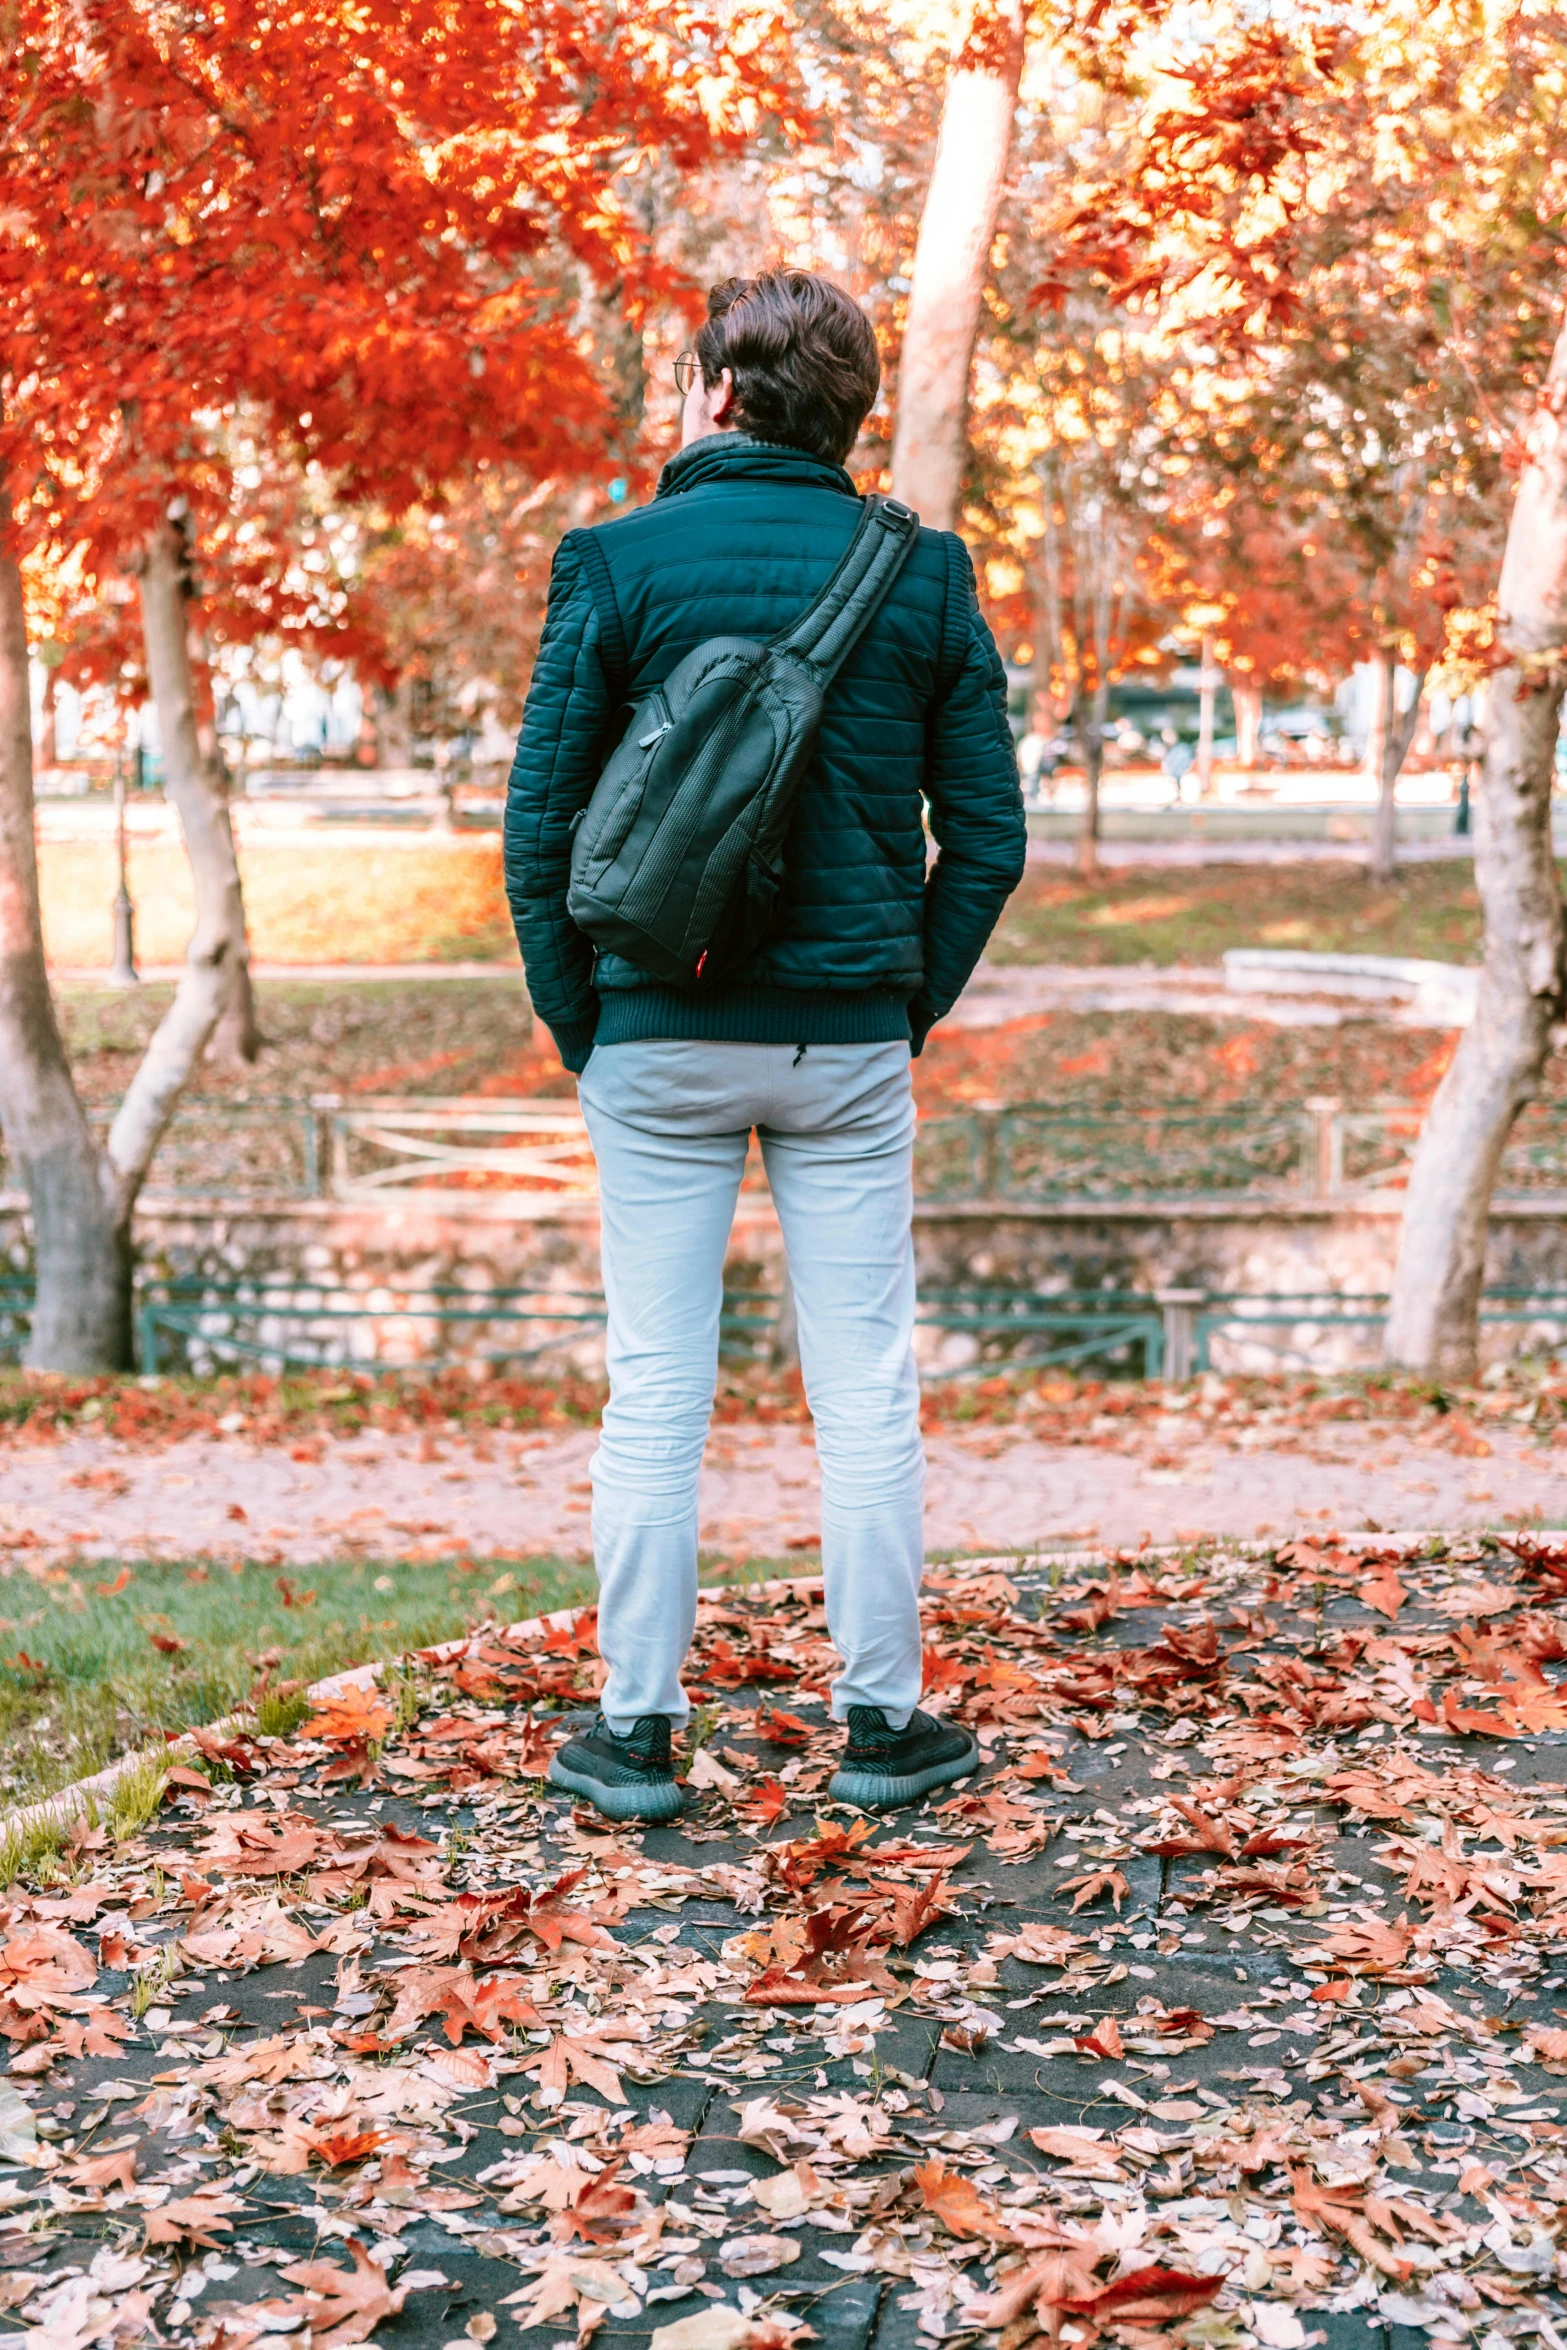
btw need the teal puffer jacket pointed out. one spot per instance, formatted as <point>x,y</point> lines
<point>869,947</point>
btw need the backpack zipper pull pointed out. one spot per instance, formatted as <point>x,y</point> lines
<point>644,740</point>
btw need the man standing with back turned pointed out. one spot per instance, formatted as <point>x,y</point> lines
<point>809,1040</point>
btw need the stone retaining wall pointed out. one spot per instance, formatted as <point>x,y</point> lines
<point>297,1255</point>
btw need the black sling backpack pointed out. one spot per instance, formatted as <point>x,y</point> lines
<point>678,858</point>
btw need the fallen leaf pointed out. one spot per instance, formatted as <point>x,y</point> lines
<point>1384,1592</point>
<point>1148,2296</point>
<point>959,2205</point>
<point>1103,2040</point>
<point>41,1958</point>
<point>757,2256</point>
<point>199,2220</point>
<point>355,1717</point>
<point>343,2305</point>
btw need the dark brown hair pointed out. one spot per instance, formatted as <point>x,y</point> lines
<point>803,358</point>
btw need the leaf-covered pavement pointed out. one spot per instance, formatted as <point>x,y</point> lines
<point>1224,2006</point>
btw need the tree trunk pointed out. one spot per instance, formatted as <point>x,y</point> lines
<point>1433,1319</point>
<point>1392,733</point>
<point>952,260</point>
<point>1207,691</point>
<point>237,1038</point>
<point>48,736</point>
<point>1091,712</point>
<point>81,1228</point>
<point>394,734</point>
<point>217,951</point>
<point>1248,723</point>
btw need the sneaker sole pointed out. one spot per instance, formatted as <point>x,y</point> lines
<point>886,1791</point>
<point>662,1801</point>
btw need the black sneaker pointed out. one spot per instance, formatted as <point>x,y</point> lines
<point>883,1767</point>
<point>630,1778</point>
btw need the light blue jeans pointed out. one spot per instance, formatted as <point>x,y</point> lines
<point>670,1124</point>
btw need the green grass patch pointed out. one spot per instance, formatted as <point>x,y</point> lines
<point>89,1672</point>
<point>1191,914</point>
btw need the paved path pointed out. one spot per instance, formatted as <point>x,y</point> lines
<point>1226,1998</point>
<point>989,1489</point>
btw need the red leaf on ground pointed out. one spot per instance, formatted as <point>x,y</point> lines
<point>1148,2296</point>
<point>779,1728</point>
<point>1103,2040</point>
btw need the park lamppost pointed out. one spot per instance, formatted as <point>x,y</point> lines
<point>123,971</point>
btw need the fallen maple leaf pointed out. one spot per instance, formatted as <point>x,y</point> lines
<point>1148,2296</point>
<point>1039,1944</point>
<point>779,1728</point>
<point>765,1803</point>
<point>355,1717</point>
<point>342,2305</point>
<point>916,1907</point>
<point>1371,1949</point>
<point>1340,2210</point>
<point>1081,2150</point>
<point>1103,2040</point>
<point>1212,1835</point>
<point>959,2205</point>
<point>338,2148</point>
<point>583,2059</point>
<point>193,2219</point>
<point>114,2167</point>
<point>1384,1592</point>
<point>601,2206</point>
<point>559,2283</point>
<point>1089,1887</point>
<point>41,1958</point>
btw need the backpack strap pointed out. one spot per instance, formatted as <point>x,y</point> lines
<point>584,544</point>
<point>831,625</point>
<point>955,614</point>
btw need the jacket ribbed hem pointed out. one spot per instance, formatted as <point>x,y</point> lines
<point>751,1015</point>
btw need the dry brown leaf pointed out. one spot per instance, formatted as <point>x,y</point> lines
<point>343,2305</point>
<point>959,2205</point>
<point>199,2220</point>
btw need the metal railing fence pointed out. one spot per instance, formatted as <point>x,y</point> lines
<point>281,1325</point>
<point>1000,1156</point>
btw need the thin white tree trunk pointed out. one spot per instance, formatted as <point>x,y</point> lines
<point>1380,709</point>
<point>1432,1323</point>
<point>1248,723</point>
<point>952,260</point>
<point>238,1036</point>
<point>1092,709</point>
<point>81,1228</point>
<point>217,952</point>
<point>1393,734</point>
<point>1207,695</point>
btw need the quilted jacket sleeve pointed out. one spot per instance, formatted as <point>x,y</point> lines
<point>552,777</point>
<point>976,817</point>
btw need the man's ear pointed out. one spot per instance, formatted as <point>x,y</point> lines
<point>721,402</point>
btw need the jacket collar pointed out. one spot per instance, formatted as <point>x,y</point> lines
<point>733,456</point>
